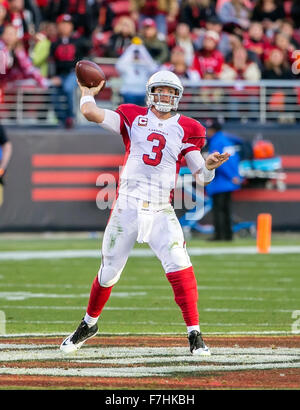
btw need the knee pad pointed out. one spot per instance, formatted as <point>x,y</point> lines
<point>108,275</point>
<point>176,259</point>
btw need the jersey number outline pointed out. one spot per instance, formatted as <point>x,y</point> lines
<point>156,149</point>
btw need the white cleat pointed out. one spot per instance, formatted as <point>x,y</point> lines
<point>197,345</point>
<point>76,339</point>
<point>202,352</point>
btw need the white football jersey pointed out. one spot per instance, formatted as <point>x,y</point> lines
<point>154,151</point>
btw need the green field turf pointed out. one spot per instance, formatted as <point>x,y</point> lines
<point>237,293</point>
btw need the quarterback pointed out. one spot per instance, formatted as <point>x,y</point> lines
<point>156,139</point>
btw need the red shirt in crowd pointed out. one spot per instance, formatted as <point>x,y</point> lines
<point>208,61</point>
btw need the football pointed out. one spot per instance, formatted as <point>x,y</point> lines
<point>89,74</point>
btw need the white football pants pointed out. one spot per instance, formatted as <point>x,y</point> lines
<point>133,219</point>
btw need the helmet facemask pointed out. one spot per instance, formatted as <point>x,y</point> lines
<point>160,105</point>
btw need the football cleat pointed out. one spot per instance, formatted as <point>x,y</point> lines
<point>76,339</point>
<point>197,345</point>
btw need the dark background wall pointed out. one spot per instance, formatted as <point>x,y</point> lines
<point>58,192</point>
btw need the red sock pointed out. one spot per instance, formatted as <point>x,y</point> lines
<point>185,290</point>
<point>98,297</point>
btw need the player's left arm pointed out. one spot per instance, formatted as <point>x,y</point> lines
<point>202,169</point>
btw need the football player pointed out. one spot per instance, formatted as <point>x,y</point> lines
<point>156,138</point>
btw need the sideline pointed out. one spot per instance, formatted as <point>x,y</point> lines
<point>139,253</point>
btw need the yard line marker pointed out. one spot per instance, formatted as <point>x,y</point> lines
<point>142,371</point>
<point>123,359</point>
<point>183,333</point>
<point>32,295</point>
<point>139,253</point>
<point>140,308</point>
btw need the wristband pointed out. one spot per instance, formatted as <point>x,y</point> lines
<point>208,174</point>
<point>87,98</point>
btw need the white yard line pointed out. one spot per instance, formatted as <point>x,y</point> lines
<point>143,308</point>
<point>169,360</point>
<point>104,334</point>
<point>139,253</point>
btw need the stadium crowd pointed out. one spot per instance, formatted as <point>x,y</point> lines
<point>197,39</point>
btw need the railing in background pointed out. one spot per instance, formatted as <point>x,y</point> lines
<point>23,103</point>
<point>264,102</point>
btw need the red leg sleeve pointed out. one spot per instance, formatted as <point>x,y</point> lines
<point>98,297</point>
<point>185,290</point>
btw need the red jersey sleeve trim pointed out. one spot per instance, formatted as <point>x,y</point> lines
<point>189,149</point>
<point>194,133</point>
<point>129,112</point>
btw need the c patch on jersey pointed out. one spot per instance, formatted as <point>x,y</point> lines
<point>142,121</point>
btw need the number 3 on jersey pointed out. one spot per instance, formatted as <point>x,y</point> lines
<point>156,149</point>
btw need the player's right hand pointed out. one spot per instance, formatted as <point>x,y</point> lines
<point>90,91</point>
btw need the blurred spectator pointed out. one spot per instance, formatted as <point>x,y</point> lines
<point>287,27</point>
<point>81,12</point>
<point>21,20</point>
<point>214,23</point>
<point>104,15</point>
<point>157,48</point>
<point>183,37</point>
<point>5,152</point>
<point>241,98</point>
<point>236,42</point>
<point>163,12</point>
<point>256,41</point>
<point>236,12</point>
<point>100,41</point>
<point>25,16</point>
<point>124,31</point>
<point>41,48</point>
<point>35,13</point>
<point>283,43</point>
<point>269,12</point>
<point>179,66</point>
<point>18,64</point>
<point>240,67</point>
<point>135,67</point>
<point>227,179</point>
<point>277,67</point>
<point>64,53</point>
<point>51,9</point>
<point>295,13</point>
<point>3,14</point>
<point>209,59</point>
<point>5,156</point>
<point>196,12</point>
